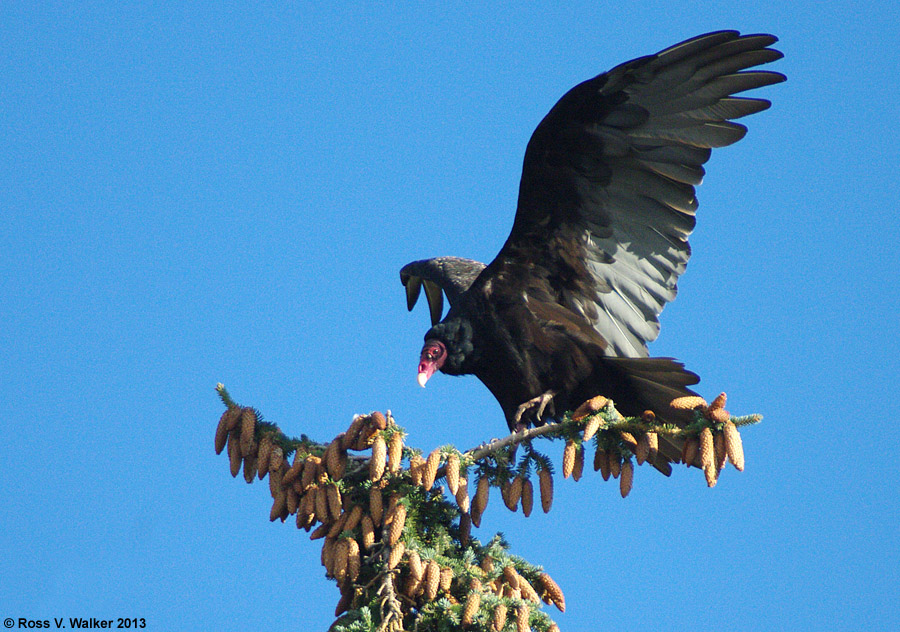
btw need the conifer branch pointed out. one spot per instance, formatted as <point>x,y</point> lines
<point>400,548</point>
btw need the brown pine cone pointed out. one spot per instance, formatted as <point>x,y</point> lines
<point>294,472</point>
<point>308,475</point>
<point>234,452</point>
<point>708,457</point>
<point>615,464</point>
<point>719,402</point>
<point>376,463</point>
<point>689,402</point>
<point>601,462</point>
<point>432,580</point>
<point>499,620</point>
<point>707,449</point>
<point>568,460</point>
<point>333,495</point>
<point>721,453</point>
<point>515,492</point>
<point>354,515</point>
<point>390,508</point>
<point>551,593</point>
<point>262,457</point>
<point>335,459</point>
<point>579,463</point>
<point>293,500</point>
<point>653,442</point>
<point>276,459</point>
<point>711,474</point>
<point>453,473</point>
<point>308,508</point>
<point>319,532</point>
<point>397,551</point>
<point>304,514</point>
<point>546,485</point>
<point>416,465</point>
<point>395,452</point>
<point>376,508</point>
<point>378,420</point>
<point>248,430</point>
<point>338,526</point>
<point>462,495</point>
<point>446,579</point>
<point>589,407</point>
<point>473,602</point>
<point>227,422</point>
<point>349,437</point>
<point>528,591</point>
<point>465,528</point>
<point>368,532</point>
<point>504,493</point>
<point>341,560</point>
<point>353,559</point>
<point>275,486</point>
<point>430,470</point>
<point>416,567</point>
<point>690,450</point>
<point>591,427</point>
<point>643,449</point>
<point>322,505</point>
<point>279,506</point>
<point>327,556</point>
<point>510,575</point>
<point>627,477</point>
<point>522,613</point>
<point>365,435</point>
<point>733,445</point>
<point>629,440</point>
<point>527,497</point>
<point>250,467</point>
<point>482,493</point>
<point>398,521</point>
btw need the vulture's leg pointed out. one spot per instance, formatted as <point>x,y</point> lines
<point>541,401</point>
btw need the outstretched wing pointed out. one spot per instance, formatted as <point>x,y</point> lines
<point>606,201</point>
<point>442,275</point>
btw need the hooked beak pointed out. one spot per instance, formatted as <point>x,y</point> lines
<point>427,367</point>
<point>433,356</point>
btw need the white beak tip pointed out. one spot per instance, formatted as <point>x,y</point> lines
<point>422,378</point>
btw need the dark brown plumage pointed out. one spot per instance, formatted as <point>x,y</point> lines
<point>606,204</point>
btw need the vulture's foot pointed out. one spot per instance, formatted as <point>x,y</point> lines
<point>541,401</point>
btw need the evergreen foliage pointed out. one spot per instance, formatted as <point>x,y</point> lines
<point>400,547</point>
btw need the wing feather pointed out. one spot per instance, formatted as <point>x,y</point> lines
<point>607,199</point>
<point>442,275</point>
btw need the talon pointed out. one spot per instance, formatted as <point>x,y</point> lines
<point>541,401</point>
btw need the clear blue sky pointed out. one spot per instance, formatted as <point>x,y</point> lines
<point>208,192</point>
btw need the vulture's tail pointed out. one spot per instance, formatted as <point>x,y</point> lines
<point>651,384</point>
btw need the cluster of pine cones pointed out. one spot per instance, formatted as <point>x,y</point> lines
<point>364,525</point>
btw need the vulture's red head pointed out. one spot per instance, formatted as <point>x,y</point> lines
<point>434,354</point>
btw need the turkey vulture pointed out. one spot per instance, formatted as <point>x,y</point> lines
<point>606,204</point>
